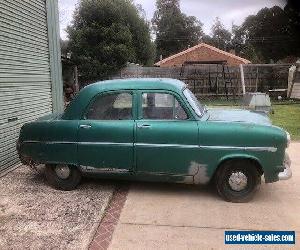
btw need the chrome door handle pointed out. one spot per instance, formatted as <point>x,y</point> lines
<point>144,126</point>
<point>85,126</point>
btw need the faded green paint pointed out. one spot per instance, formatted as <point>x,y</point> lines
<point>177,151</point>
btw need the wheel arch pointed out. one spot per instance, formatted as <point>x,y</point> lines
<point>232,157</point>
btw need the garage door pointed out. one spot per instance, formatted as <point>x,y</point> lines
<point>25,83</point>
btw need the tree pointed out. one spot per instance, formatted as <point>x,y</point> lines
<point>292,12</point>
<point>267,33</point>
<point>272,34</point>
<point>220,38</point>
<point>174,30</point>
<point>242,47</point>
<point>105,35</point>
<point>64,46</point>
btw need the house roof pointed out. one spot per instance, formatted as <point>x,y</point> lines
<point>200,46</point>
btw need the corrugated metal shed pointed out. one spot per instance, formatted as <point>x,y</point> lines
<point>30,80</point>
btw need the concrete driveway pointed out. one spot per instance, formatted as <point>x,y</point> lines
<point>159,216</point>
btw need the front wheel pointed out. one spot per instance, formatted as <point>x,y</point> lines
<point>237,180</point>
<point>62,176</point>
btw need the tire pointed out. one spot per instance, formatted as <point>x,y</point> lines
<point>68,182</point>
<point>237,180</point>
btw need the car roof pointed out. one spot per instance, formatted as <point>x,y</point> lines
<point>138,83</point>
<point>76,108</point>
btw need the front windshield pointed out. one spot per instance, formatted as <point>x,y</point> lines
<point>193,101</point>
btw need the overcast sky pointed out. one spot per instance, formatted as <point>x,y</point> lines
<point>229,11</point>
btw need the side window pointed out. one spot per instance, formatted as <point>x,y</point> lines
<point>162,106</point>
<point>111,107</point>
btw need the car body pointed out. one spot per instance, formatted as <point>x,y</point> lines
<point>155,130</point>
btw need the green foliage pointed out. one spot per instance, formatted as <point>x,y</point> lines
<point>105,35</point>
<point>174,30</point>
<point>270,35</point>
<point>221,38</point>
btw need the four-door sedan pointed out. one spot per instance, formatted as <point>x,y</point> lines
<point>156,130</point>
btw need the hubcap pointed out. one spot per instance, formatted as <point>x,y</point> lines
<point>62,171</point>
<point>238,181</point>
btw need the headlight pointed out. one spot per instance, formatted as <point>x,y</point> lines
<point>288,136</point>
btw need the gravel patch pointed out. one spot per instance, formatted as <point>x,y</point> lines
<point>36,216</point>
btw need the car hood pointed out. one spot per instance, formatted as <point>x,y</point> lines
<point>238,115</point>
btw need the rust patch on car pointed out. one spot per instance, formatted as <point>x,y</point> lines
<point>199,173</point>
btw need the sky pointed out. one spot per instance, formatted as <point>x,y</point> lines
<point>229,11</point>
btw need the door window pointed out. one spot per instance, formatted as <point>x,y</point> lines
<point>114,106</point>
<point>162,106</point>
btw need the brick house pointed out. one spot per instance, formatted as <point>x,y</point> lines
<point>202,52</point>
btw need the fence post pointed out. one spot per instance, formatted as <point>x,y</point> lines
<point>243,79</point>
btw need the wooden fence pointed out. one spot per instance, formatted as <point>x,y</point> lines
<point>218,80</point>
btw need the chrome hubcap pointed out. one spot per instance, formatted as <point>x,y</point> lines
<point>62,171</point>
<point>238,181</point>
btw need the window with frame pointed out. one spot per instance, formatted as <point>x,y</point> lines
<point>112,106</point>
<point>162,106</point>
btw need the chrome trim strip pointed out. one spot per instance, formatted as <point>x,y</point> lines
<point>88,169</point>
<point>150,145</point>
<point>106,143</point>
<point>51,142</point>
<point>82,143</point>
<point>269,149</point>
<point>165,145</point>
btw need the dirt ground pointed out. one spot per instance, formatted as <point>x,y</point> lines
<point>36,216</point>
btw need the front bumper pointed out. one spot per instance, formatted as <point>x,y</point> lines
<point>287,172</point>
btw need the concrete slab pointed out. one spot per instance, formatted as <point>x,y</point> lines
<point>167,216</point>
<point>33,215</point>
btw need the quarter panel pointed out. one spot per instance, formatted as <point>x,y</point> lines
<point>51,141</point>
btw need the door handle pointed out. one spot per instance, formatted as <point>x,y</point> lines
<point>144,126</point>
<point>85,126</point>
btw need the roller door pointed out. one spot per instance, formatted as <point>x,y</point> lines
<point>25,81</point>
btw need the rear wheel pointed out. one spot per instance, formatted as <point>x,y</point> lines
<point>63,177</point>
<point>237,180</point>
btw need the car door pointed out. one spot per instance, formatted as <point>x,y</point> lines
<point>105,134</point>
<point>166,135</point>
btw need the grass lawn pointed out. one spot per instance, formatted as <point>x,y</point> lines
<point>287,117</point>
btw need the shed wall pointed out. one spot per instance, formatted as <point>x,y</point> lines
<point>25,71</point>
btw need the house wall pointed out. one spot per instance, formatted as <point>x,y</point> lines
<point>201,54</point>
<point>30,72</point>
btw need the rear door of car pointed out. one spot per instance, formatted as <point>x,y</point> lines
<point>106,133</point>
<point>166,135</point>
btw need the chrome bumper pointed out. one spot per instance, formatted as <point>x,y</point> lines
<point>287,173</point>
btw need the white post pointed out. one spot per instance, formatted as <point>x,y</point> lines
<point>243,79</point>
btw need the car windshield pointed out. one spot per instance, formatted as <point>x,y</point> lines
<point>193,101</point>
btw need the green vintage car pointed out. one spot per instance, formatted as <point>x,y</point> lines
<point>156,130</point>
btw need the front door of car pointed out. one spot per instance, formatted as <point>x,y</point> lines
<point>166,135</point>
<point>105,133</point>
